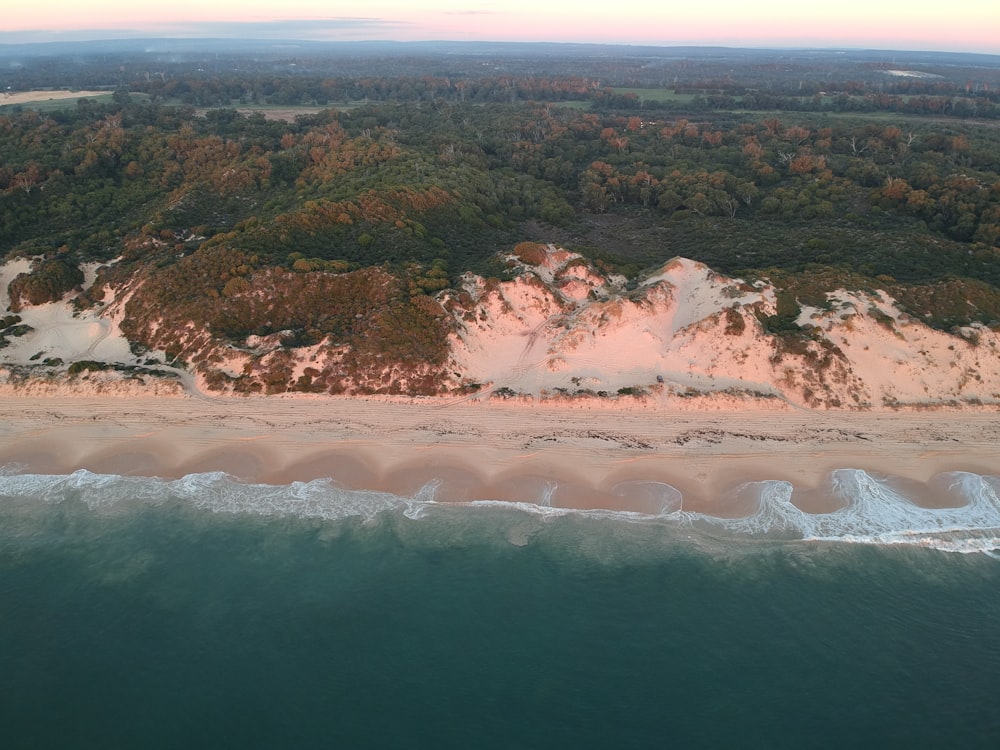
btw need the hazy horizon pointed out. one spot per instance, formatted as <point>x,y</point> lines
<point>963,26</point>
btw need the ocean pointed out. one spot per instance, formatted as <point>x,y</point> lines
<point>209,612</point>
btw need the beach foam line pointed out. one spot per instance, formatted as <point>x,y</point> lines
<point>874,511</point>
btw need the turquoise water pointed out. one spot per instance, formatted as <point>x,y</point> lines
<point>208,613</point>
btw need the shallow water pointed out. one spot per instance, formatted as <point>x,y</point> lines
<point>206,612</point>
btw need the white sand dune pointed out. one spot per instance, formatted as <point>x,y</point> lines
<point>687,331</point>
<point>685,339</point>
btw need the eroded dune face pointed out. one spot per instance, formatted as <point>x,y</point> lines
<point>560,330</point>
<point>686,334</point>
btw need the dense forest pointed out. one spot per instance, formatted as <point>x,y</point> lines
<point>209,178</point>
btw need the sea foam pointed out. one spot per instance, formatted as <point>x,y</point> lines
<point>874,511</point>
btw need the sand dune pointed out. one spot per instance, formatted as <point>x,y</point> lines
<point>539,447</point>
<point>686,339</point>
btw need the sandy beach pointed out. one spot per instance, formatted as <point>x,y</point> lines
<point>580,458</point>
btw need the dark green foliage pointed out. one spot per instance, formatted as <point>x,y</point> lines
<point>951,302</point>
<point>11,325</point>
<point>18,330</point>
<point>87,365</point>
<point>632,390</point>
<point>786,313</point>
<point>338,225</point>
<point>47,281</point>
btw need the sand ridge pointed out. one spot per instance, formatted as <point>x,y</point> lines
<point>687,339</point>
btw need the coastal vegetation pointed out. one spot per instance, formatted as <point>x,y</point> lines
<point>344,222</point>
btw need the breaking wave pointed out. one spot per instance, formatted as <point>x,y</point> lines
<point>873,510</point>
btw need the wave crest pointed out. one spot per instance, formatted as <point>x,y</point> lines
<point>874,510</point>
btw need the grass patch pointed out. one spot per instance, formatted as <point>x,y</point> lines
<point>61,105</point>
<point>655,95</point>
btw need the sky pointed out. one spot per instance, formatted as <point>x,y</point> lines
<point>946,25</point>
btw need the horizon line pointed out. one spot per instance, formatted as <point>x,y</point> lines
<point>473,42</point>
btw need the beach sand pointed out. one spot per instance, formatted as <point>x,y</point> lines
<point>566,457</point>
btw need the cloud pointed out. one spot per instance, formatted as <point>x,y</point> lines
<point>299,28</point>
<point>324,29</point>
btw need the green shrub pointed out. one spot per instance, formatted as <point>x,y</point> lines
<point>88,365</point>
<point>48,281</point>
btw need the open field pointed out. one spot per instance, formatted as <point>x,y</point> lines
<point>655,95</point>
<point>23,97</point>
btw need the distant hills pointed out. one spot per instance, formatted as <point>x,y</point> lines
<point>286,47</point>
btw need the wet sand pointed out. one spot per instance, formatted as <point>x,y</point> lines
<point>563,457</point>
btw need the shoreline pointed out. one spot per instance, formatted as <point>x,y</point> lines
<point>573,457</point>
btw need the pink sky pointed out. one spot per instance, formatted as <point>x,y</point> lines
<point>958,25</point>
